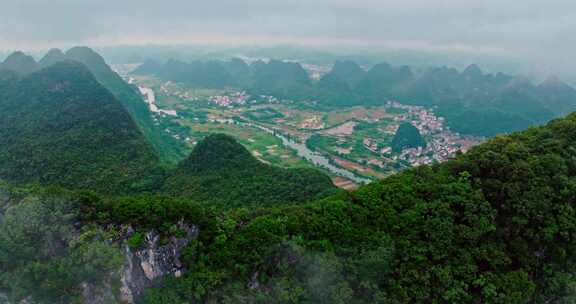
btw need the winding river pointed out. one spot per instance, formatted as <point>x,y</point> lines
<point>150,98</point>
<point>301,149</point>
<point>311,156</point>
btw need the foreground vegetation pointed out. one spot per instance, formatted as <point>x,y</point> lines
<point>495,225</point>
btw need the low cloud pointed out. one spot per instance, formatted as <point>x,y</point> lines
<point>533,29</point>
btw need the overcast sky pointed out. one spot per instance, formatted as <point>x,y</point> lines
<point>538,29</point>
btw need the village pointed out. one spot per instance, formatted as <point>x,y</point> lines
<point>356,139</point>
<point>441,142</point>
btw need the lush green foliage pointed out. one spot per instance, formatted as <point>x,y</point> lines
<point>407,136</point>
<point>220,170</point>
<point>496,225</point>
<point>169,149</point>
<point>59,126</point>
<point>44,257</point>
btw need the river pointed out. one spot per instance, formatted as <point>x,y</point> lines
<point>150,98</point>
<point>315,158</point>
<point>301,149</point>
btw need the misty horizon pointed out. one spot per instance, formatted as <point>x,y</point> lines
<point>535,35</point>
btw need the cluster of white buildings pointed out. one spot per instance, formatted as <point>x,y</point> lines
<point>370,145</point>
<point>171,89</point>
<point>237,98</point>
<point>441,143</point>
<point>240,99</point>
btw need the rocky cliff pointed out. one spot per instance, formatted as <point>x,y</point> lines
<point>152,261</point>
<point>143,267</point>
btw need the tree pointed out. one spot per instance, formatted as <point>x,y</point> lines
<point>407,136</point>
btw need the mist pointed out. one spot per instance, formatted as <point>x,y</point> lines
<point>535,33</point>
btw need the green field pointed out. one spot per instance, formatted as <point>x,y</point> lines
<point>263,145</point>
<point>326,131</point>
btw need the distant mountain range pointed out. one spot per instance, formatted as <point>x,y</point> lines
<point>473,102</point>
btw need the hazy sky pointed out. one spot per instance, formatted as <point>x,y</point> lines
<point>528,28</point>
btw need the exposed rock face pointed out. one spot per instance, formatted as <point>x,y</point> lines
<point>3,298</point>
<point>98,295</point>
<point>156,258</point>
<point>144,265</point>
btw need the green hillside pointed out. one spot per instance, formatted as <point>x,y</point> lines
<point>168,148</point>
<point>19,63</point>
<point>220,170</point>
<point>496,225</point>
<point>407,136</point>
<point>60,126</point>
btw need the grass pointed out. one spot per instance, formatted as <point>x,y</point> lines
<point>268,147</point>
<point>337,117</point>
<point>265,146</point>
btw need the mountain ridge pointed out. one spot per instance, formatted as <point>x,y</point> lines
<point>222,171</point>
<point>60,124</point>
<point>452,93</point>
<point>169,149</point>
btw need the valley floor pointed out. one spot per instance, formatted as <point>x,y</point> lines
<point>352,145</point>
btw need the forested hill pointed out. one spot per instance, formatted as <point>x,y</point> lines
<point>407,136</point>
<point>19,63</point>
<point>220,170</point>
<point>169,149</point>
<point>60,126</point>
<point>495,225</point>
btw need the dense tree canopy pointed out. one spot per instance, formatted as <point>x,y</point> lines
<point>59,126</point>
<point>407,136</point>
<point>495,225</point>
<point>43,256</point>
<point>220,170</point>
